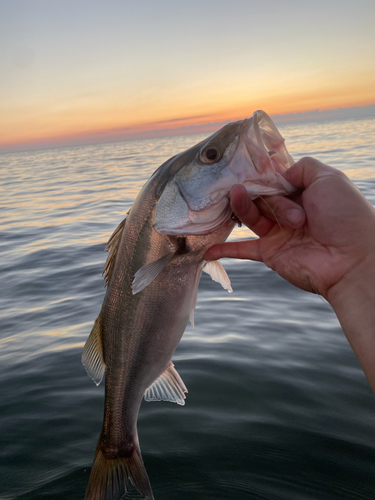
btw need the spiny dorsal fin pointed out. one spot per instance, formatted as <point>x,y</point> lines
<point>92,356</point>
<point>168,387</point>
<point>112,247</point>
<point>215,269</point>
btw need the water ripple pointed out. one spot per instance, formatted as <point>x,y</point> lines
<point>278,407</point>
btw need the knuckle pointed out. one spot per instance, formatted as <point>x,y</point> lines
<point>307,159</point>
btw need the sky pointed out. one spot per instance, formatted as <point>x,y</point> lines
<point>86,71</point>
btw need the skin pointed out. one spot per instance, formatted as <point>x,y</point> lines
<point>325,245</point>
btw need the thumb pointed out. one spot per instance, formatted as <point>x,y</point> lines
<point>307,170</point>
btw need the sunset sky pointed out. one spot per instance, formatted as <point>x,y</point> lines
<point>86,70</point>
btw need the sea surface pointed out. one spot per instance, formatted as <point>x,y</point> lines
<point>278,407</point>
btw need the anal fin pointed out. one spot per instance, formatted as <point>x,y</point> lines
<point>168,387</point>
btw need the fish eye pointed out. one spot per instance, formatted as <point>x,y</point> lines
<point>210,154</point>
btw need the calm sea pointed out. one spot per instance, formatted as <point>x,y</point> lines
<point>278,407</point>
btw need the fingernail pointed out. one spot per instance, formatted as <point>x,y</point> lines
<point>294,216</point>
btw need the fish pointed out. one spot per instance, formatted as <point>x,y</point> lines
<point>152,273</point>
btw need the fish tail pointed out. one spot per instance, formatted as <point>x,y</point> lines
<point>109,476</point>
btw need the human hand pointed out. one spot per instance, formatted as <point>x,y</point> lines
<point>326,231</point>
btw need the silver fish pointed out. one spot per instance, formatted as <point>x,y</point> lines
<point>152,271</point>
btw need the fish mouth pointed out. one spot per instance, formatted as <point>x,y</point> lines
<point>261,158</point>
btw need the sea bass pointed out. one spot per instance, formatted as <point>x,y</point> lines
<point>152,273</point>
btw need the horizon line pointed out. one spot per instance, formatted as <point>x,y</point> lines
<point>131,133</point>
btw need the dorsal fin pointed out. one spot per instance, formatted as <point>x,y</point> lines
<point>112,247</point>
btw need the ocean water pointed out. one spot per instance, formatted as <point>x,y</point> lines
<point>278,407</point>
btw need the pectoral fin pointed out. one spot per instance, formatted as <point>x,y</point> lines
<point>168,387</point>
<point>92,356</point>
<point>215,269</point>
<point>146,274</point>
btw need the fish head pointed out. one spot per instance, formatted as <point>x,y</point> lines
<point>196,200</point>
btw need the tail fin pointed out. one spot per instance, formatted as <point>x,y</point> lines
<point>109,476</point>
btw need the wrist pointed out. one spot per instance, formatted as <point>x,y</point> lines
<point>356,288</point>
<point>353,300</point>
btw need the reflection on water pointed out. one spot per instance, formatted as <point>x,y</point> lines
<point>278,407</point>
<point>347,145</point>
